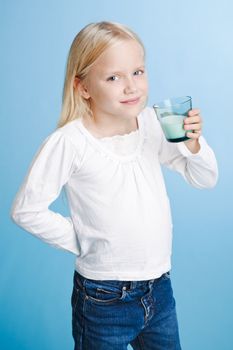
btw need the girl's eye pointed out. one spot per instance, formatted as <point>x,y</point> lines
<point>139,72</point>
<point>113,78</point>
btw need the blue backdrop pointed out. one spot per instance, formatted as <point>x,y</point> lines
<point>189,52</point>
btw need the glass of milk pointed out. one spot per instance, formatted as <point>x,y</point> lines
<point>171,113</point>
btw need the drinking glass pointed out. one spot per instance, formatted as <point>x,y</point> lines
<point>171,114</point>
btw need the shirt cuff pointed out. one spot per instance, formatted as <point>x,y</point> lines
<point>188,154</point>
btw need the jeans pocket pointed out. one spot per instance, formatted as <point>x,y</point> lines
<point>102,293</point>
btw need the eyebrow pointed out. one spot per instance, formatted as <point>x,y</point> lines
<point>119,72</point>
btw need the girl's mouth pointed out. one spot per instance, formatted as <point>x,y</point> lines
<point>131,101</point>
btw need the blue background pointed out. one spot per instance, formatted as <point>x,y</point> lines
<point>189,52</point>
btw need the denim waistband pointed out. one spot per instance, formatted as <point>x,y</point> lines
<point>120,284</point>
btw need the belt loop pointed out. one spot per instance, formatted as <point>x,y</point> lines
<point>133,284</point>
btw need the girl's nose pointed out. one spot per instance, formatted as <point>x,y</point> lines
<point>130,86</point>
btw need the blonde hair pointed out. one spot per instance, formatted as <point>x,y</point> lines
<point>85,49</point>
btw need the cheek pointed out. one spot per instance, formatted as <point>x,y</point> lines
<point>104,97</point>
<point>145,86</point>
<point>144,83</point>
<point>97,94</point>
<point>111,92</point>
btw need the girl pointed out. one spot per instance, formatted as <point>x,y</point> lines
<point>107,152</point>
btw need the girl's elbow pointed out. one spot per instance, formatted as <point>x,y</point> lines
<point>15,216</point>
<point>211,181</point>
<point>214,178</point>
<point>20,217</point>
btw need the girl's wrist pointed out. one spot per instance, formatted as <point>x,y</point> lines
<point>193,145</point>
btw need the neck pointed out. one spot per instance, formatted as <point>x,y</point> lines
<point>105,128</point>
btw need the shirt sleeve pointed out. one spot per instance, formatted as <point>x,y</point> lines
<point>198,169</point>
<point>51,168</point>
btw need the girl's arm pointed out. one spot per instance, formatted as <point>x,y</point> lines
<point>50,170</point>
<point>195,162</point>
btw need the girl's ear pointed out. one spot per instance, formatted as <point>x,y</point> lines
<point>80,86</point>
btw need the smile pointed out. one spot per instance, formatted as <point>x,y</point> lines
<point>131,101</point>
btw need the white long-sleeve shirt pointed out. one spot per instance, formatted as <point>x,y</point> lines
<point>120,224</point>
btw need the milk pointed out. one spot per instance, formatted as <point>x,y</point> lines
<point>172,126</point>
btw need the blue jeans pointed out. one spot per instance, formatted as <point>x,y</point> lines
<point>111,314</point>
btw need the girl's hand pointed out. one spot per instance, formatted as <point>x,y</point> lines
<point>194,123</point>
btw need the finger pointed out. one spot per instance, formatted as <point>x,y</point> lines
<point>194,111</point>
<point>197,126</point>
<point>194,135</point>
<point>195,119</point>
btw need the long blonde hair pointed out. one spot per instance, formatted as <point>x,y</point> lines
<point>85,49</point>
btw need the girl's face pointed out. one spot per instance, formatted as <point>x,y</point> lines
<point>116,85</point>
